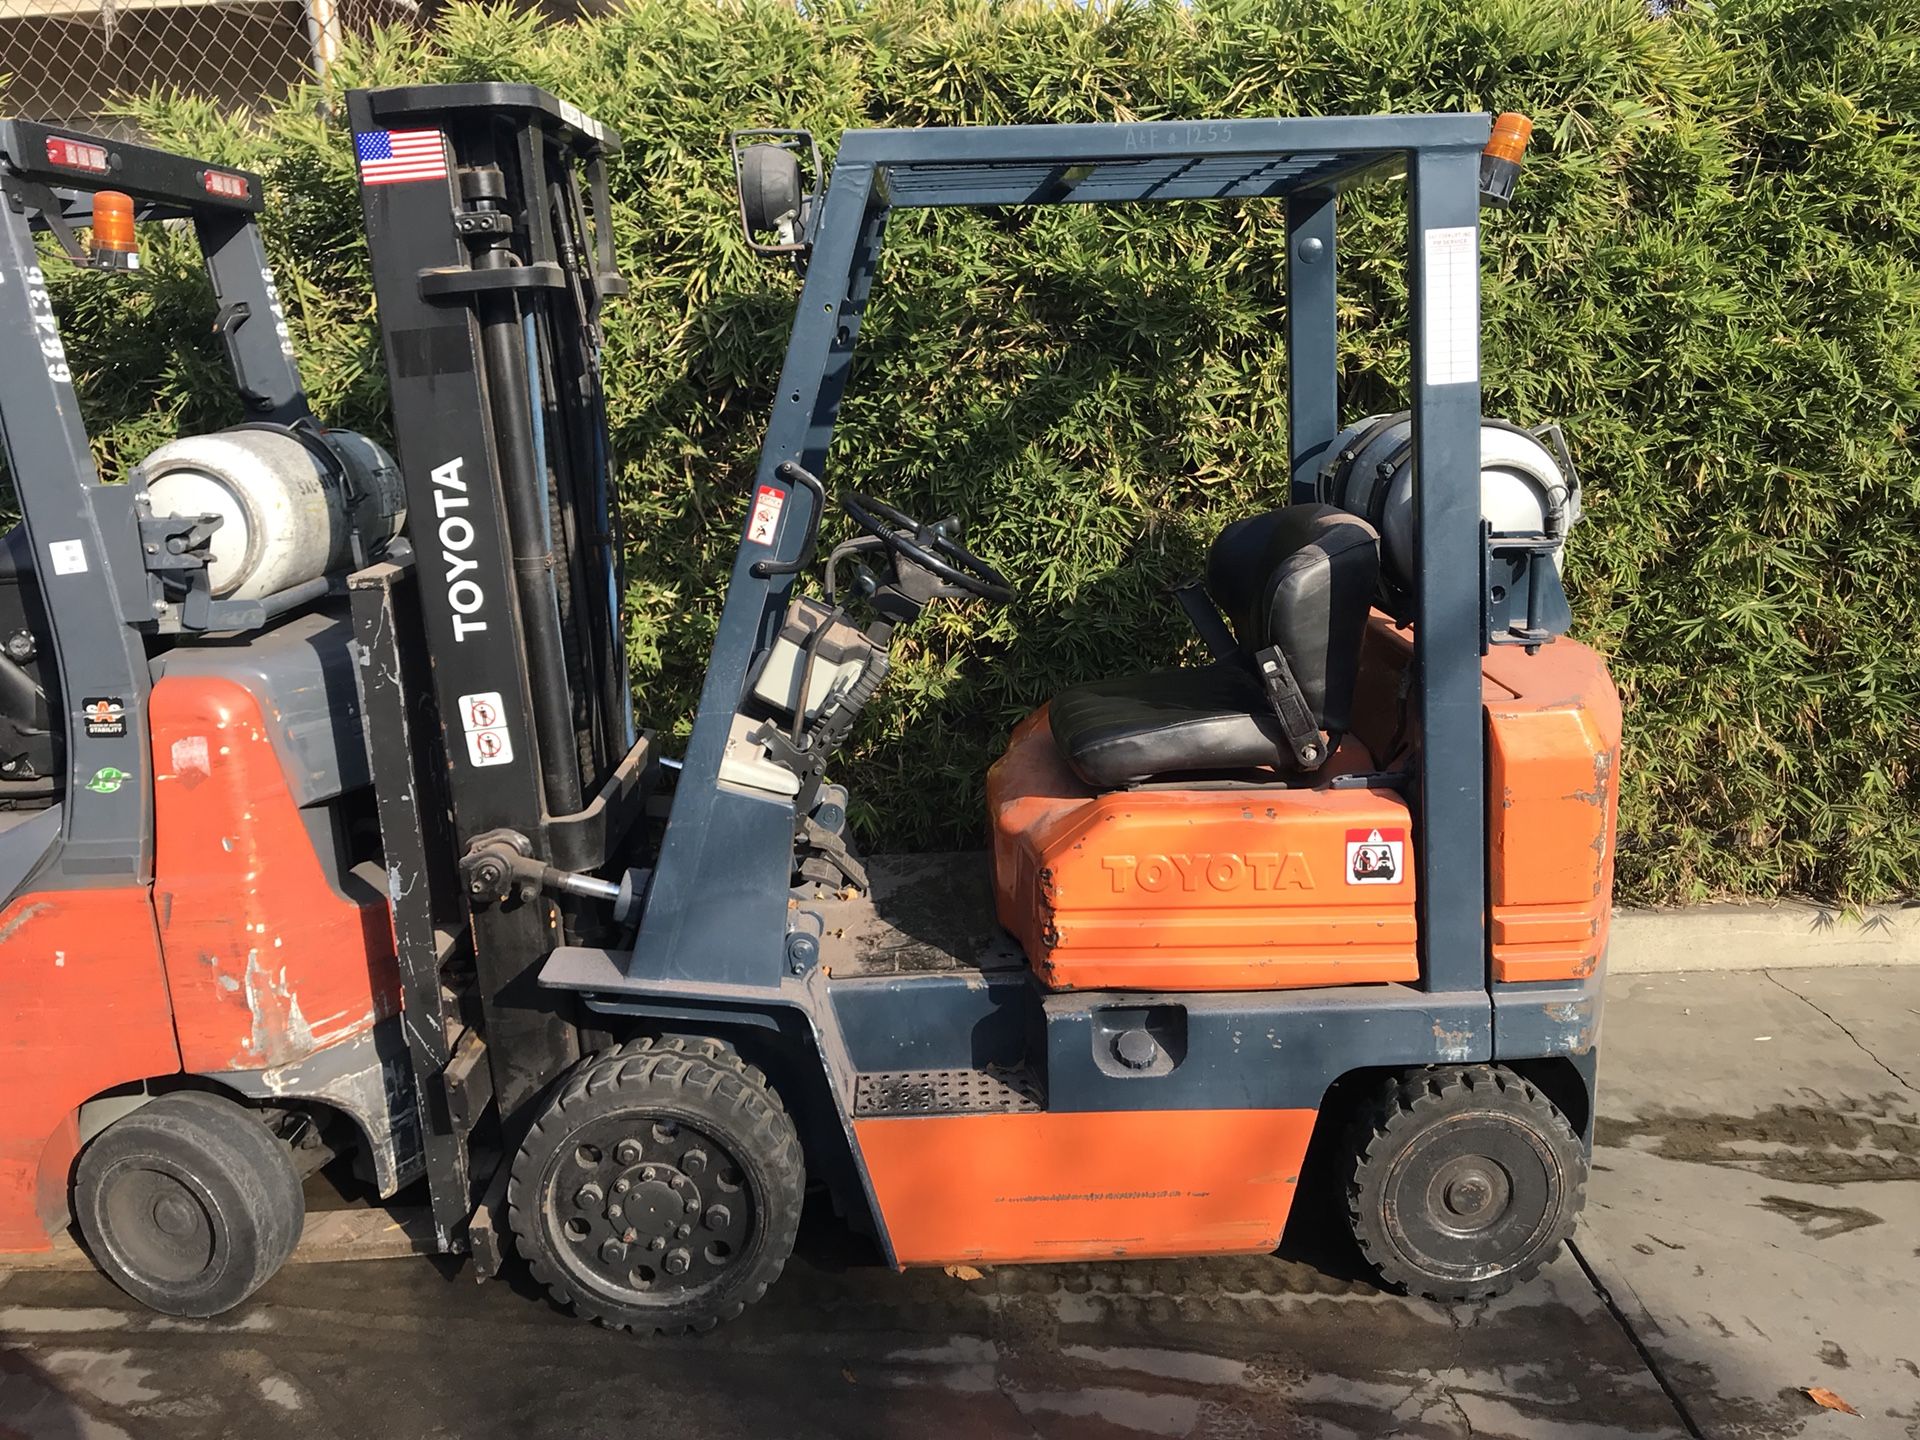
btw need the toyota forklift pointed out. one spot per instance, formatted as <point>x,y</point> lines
<point>1341,885</point>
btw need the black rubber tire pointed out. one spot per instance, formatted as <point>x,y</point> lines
<point>678,1080</point>
<point>1473,1131</point>
<point>189,1204</point>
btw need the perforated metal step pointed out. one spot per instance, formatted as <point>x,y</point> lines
<point>947,1092</point>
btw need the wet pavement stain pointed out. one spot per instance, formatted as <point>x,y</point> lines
<point>1817,1141</point>
<point>841,1349</point>
<point>1821,1222</point>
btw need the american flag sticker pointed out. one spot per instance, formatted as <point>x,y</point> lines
<point>388,157</point>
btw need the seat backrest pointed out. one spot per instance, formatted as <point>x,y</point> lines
<point>1301,579</point>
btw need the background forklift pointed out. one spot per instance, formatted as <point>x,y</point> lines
<point>1347,882</point>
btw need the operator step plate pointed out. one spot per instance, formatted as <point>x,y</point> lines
<point>947,1092</point>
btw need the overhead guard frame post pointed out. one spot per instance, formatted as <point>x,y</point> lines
<point>1313,361</point>
<point>259,346</point>
<point>106,824</point>
<point>702,901</point>
<point>1451,814</point>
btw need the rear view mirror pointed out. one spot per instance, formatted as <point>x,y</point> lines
<point>774,195</point>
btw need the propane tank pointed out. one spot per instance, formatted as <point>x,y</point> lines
<point>1526,487</point>
<point>287,516</point>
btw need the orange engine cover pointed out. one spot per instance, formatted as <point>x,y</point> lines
<point>1244,889</point>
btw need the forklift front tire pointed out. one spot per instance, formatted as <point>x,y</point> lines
<point>1463,1181</point>
<point>189,1203</point>
<point>660,1190</point>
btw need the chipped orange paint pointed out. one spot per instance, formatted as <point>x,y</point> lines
<point>83,1007</point>
<point>1192,889</point>
<point>1084,1185</point>
<point>266,961</point>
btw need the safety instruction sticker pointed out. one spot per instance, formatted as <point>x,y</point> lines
<point>1451,299</point>
<point>1376,857</point>
<point>69,557</point>
<point>767,506</point>
<point>484,719</point>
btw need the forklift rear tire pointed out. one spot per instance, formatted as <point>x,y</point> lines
<point>1463,1182</point>
<point>660,1189</point>
<point>189,1204</point>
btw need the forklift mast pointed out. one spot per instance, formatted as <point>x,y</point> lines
<point>504,688</point>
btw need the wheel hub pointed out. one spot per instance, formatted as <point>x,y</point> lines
<point>642,1205</point>
<point>655,1209</point>
<point>174,1214</point>
<point>1473,1192</point>
<point>160,1224</point>
<point>1468,1195</point>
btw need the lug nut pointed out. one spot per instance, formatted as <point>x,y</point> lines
<point>684,1231</point>
<point>629,1235</point>
<point>627,1152</point>
<point>613,1212</point>
<point>587,1196</point>
<point>658,1242</point>
<point>694,1161</point>
<point>677,1262</point>
<point>622,1185</point>
<point>718,1216</point>
<point>613,1251</point>
<point>647,1174</point>
<point>693,1207</point>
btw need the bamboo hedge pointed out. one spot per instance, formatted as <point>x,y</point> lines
<point>1709,277</point>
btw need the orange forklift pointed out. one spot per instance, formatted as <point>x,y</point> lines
<point>338,832</point>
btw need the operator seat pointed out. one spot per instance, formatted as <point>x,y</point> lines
<point>1299,579</point>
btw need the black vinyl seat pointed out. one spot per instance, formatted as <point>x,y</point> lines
<point>1300,580</point>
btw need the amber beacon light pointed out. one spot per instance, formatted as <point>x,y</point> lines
<point>114,246</point>
<point>1500,162</point>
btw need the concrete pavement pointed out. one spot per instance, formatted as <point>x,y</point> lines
<point>1751,1232</point>
<point>1756,1208</point>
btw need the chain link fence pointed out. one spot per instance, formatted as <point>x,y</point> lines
<point>69,62</point>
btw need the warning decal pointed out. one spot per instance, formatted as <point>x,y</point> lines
<point>484,719</point>
<point>767,506</point>
<point>1376,857</point>
<point>69,557</point>
<point>106,716</point>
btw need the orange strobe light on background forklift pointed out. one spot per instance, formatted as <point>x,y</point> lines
<point>114,246</point>
<point>1500,162</point>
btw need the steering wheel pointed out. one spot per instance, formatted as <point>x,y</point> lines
<point>928,546</point>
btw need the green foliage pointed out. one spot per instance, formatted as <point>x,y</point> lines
<point>1708,276</point>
